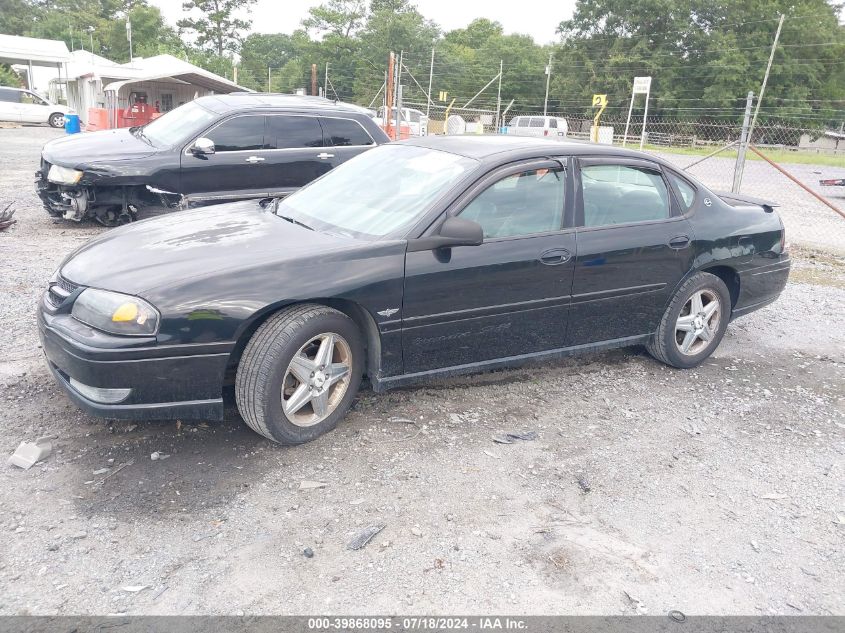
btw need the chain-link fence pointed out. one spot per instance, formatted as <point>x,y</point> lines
<point>707,150</point>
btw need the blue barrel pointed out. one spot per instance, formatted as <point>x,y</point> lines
<point>72,124</point>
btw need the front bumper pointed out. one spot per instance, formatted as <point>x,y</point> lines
<point>184,381</point>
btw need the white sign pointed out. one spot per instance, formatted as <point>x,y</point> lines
<point>642,85</point>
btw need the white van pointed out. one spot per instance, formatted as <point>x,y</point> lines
<point>538,126</point>
<point>24,106</point>
<point>416,120</point>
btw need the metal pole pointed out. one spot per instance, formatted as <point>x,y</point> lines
<point>628,122</point>
<point>129,37</point>
<point>499,98</point>
<point>268,79</point>
<point>389,94</point>
<point>765,80</point>
<point>743,144</point>
<point>398,82</point>
<point>548,77</point>
<point>822,199</point>
<point>430,79</point>
<point>487,85</point>
<point>645,118</point>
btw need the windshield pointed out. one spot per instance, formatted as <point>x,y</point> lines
<point>377,193</point>
<point>178,125</point>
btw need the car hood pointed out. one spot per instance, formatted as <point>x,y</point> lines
<point>173,248</point>
<point>92,147</point>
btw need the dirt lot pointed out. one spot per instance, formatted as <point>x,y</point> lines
<point>717,490</point>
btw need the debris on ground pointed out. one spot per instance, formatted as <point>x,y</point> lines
<point>6,219</point>
<point>639,604</point>
<point>156,456</point>
<point>30,453</point>
<point>509,438</point>
<point>134,588</point>
<point>308,552</point>
<point>101,471</point>
<point>364,536</point>
<point>582,482</point>
<point>311,485</point>
<point>416,531</point>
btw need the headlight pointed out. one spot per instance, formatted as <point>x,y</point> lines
<point>115,313</point>
<point>63,175</point>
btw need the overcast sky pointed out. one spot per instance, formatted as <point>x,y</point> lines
<point>538,18</point>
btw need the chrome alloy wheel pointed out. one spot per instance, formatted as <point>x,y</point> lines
<point>698,322</point>
<point>316,379</point>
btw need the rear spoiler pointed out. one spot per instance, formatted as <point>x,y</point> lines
<point>740,199</point>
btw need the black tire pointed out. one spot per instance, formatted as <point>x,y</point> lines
<point>258,382</point>
<point>57,119</point>
<point>664,346</point>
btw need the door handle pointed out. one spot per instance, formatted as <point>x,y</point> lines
<point>555,257</point>
<point>254,159</point>
<point>679,242</point>
<point>324,155</point>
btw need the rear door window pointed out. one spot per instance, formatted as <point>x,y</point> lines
<point>686,190</point>
<point>619,194</point>
<point>242,133</point>
<point>553,124</point>
<point>535,121</point>
<point>291,132</point>
<point>342,132</point>
<point>10,96</point>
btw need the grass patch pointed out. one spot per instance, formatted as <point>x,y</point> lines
<point>777,155</point>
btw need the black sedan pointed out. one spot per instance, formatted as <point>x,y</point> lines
<point>439,256</point>
<point>221,147</point>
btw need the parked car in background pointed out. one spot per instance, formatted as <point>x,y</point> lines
<point>423,258</point>
<point>24,106</point>
<point>538,126</point>
<point>215,148</point>
<point>416,120</point>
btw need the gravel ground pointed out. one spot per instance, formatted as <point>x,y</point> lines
<point>717,490</point>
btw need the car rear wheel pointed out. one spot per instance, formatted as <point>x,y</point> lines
<point>694,323</point>
<point>57,119</point>
<point>299,373</point>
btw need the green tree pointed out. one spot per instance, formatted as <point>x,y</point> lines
<point>217,29</point>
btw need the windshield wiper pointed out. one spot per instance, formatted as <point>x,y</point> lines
<point>292,221</point>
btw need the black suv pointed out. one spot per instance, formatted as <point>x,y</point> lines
<point>215,148</point>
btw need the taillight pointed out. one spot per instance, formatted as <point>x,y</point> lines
<point>545,132</point>
<point>784,245</point>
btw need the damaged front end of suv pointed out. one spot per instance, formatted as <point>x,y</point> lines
<point>107,193</point>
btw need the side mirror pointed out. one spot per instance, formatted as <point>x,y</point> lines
<point>202,146</point>
<point>454,231</point>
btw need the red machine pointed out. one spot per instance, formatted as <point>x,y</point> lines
<point>139,112</point>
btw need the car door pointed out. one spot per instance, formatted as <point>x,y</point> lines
<point>33,108</point>
<point>345,138</point>
<point>10,105</point>
<point>508,296</point>
<point>297,154</point>
<point>634,246</point>
<point>234,169</point>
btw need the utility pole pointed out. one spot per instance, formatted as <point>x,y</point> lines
<point>326,83</point>
<point>235,73</point>
<point>313,80</point>
<point>499,97</point>
<point>388,93</point>
<point>129,37</point>
<point>398,98</point>
<point>430,78</point>
<point>765,80</point>
<point>743,144</point>
<point>548,77</point>
<point>269,79</point>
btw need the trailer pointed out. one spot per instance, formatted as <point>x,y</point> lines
<point>833,182</point>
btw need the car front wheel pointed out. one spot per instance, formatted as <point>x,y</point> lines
<point>299,373</point>
<point>694,323</point>
<point>57,119</point>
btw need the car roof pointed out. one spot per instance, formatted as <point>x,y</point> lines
<point>500,147</point>
<point>224,103</point>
